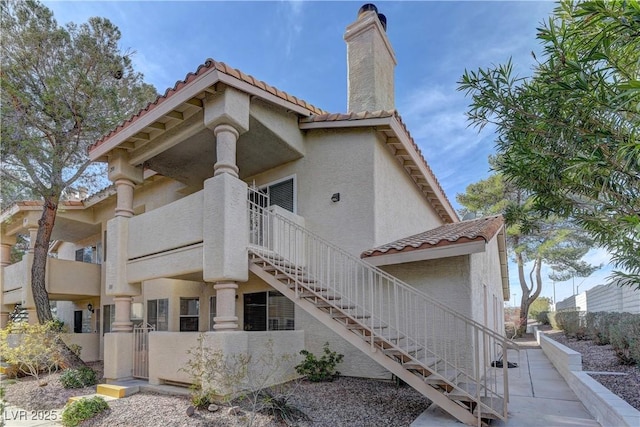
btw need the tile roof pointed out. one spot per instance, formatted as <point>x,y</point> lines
<point>208,66</point>
<point>448,234</point>
<point>334,117</point>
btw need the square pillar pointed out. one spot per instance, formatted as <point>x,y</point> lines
<point>226,230</point>
<point>118,356</point>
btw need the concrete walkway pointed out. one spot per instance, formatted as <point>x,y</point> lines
<point>539,396</point>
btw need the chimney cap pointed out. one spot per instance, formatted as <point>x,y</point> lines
<point>366,8</point>
<point>383,21</point>
<point>370,7</point>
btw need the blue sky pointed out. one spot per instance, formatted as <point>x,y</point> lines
<point>298,47</point>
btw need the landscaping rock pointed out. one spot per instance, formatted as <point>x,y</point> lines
<point>235,410</point>
<point>190,411</point>
<point>213,408</point>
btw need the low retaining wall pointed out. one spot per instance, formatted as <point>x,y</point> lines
<point>606,407</point>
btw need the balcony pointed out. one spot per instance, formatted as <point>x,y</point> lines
<point>65,280</point>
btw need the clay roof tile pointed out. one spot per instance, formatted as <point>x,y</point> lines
<point>459,232</point>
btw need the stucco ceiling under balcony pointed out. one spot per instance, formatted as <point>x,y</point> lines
<point>191,161</point>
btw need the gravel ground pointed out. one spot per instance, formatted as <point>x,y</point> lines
<point>344,402</point>
<point>603,359</point>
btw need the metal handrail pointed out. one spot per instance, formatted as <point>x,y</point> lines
<point>401,315</point>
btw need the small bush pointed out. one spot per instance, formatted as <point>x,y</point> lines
<point>625,338</point>
<point>543,317</point>
<point>572,323</point>
<point>33,349</point>
<point>78,378</point>
<point>200,400</point>
<point>82,410</point>
<point>552,319</point>
<point>322,369</point>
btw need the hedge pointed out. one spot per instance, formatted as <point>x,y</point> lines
<point>621,330</point>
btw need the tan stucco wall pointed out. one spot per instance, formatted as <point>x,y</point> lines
<point>89,343</point>
<point>448,281</point>
<point>73,277</point>
<point>328,168</point>
<point>401,210</point>
<point>487,304</point>
<point>174,289</point>
<point>167,227</point>
<point>273,354</point>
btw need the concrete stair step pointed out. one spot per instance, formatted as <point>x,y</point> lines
<point>117,391</point>
<point>88,396</point>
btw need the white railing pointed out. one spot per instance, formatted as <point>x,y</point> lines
<point>456,348</point>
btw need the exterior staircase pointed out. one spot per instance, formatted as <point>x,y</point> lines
<point>437,351</point>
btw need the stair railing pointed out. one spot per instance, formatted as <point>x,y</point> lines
<point>452,346</point>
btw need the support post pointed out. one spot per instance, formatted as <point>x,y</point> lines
<point>226,320</point>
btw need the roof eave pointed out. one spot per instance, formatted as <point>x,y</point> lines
<point>194,89</point>
<point>443,200</point>
<point>432,252</point>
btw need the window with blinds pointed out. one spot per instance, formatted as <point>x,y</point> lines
<point>281,194</point>
<point>268,311</point>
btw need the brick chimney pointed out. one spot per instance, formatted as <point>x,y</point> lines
<point>370,62</point>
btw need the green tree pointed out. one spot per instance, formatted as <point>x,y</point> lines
<point>533,240</point>
<point>63,87</point>
<point>569,133</point>
<point>538,306</point>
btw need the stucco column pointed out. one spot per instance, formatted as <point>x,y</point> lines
<point>124,204</point>
<point>33,234</point>
<point>226,139</point>
<point>226,319</point>
<point>122,321</point>
<point>5,254</point>
<point>5,257</point>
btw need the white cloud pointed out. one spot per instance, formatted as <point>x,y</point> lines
<point>598,256</point>
<point>292,26</point>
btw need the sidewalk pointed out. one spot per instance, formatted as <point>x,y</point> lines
<point>539,396</point>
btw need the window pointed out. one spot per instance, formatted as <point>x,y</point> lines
<point>90,254</point>
<point>282,193</point>
<point>212,312</point>
<point>158,313</point>
<point>189,314</point>
<point>109,317</point>
<point>85,254</point>
<point>137,313</point>
<point>268,311</point>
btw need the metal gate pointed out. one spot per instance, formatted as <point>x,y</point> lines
<point>141,350</point>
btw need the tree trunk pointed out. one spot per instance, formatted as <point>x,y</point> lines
<point>529,294</point>
<point>38,275</point>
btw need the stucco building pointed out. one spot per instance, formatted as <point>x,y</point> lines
<point>244,213</point>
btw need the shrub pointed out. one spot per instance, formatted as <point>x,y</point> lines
<point>625,338</point>
<point>31,348</point>
<point>78,378</point>
<point>602,326</point>
<point>82,410</point>
<point>570,322</point>
<point>322,369</point>
<point>552,320</point>
<point>543,317</point>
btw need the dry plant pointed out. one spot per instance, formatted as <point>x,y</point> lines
<point>265,381</point>
<point>32,349</point>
